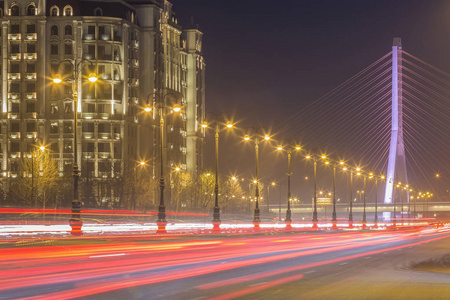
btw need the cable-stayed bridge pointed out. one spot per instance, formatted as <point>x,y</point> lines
<point>391,118</point>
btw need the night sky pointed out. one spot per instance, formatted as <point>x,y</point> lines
<point>265,60</point>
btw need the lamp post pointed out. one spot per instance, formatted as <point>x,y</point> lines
<point>334,215</point>
<point>256,212</point>
<point>272,184</point>
<point>364,219</point>
<point>76,222</point>
<point>350,211</point>
<point>289,149</point>
<point>161,105</point>
<point>216,212</point>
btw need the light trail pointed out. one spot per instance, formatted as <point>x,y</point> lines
<point>114,266</point>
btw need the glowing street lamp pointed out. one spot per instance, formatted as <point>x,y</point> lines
<point>161,105</point>
<point>314,157</point>
<point>289,150</point>
<point>216,212</point>
<point>76,222</point>
<point>256,137</point>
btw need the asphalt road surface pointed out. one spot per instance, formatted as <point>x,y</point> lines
<point>339,265</point>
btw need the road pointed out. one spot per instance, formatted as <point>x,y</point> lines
<point>315,265</point>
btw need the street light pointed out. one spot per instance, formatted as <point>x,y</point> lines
<point>272,184</point>
<point>289,149</point>
<point>334,215</point>
<point>364,219</point>
<point>257,136</point>
<point>216,118</point>
<point>314,157</point>
<point>160,103</point>
<point>76,221</point>
<point>350,211</point>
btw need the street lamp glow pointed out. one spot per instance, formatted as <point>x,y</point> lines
<point>177,169</point>
<point>273,183</point>
<point>298,148</point>
<point>341,162</point>
<point>92,77</point>
<point>42,148</point>
<point>142,163</point>
<point>204,125</point>
<point>266,137</point>
<point>308,156</point>
<point>246,137</point>
<point>279,148</point>
<point>57,79</point>
<point>229,125</point>
<point>327,162</point>
<point>324,156</point>
<point>234,178</point>
<point>176,108</point>
<point>147,109</point>
<point>254,181</point>
<point>358,169</point>
<point>344,168</point>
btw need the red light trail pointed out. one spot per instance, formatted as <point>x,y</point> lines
<point>114,266</point>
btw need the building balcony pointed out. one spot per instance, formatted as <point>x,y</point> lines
<point>117,136</point>
<point>14,36</point>
<point>89,36</point>
<point>89,56</point>
<point>31,115</point>
<point>14,135</point>
<point>31,36</point>
<point>31,134</point>
<point>105,37</point>
<point>14,76</point>
<point>104,155</point>
<point>104,135</point>
<point>13,115</point>
<point>30,95</point>
<point>104,116</point>
<point>30,56</point>
<point>105,77</point>
<point>134,62</point>
<point>14,155</point>
<point>15,56</point>
<point>88,135</point>
<point>89,115</point>
<point>135,43</point>
<point>134,100</point>
<point>30,76</point>
<point>117,58</point>
<point>105,57</point>
<point>13,96</point>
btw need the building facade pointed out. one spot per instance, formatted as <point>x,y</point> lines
<point>141,57</point>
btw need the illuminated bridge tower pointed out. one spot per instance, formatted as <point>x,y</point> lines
<point>396,169</point>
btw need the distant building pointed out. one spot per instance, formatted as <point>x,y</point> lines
<point>139,53</point>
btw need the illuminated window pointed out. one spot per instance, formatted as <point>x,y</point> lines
<point>15,10</point>
<point>54,11</point>
<point>68,12</point>
<point>31,10</point>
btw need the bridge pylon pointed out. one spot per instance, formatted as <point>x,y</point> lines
<point>396,168</point>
